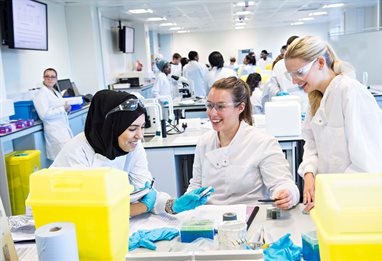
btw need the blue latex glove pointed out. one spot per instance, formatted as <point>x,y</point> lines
<point>190,200</point>
<point>282,93</point>
<point>150,198</point>
<point>283,249</point>
<point>146,238</point>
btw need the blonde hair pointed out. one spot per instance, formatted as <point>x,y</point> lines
<point>309,48</point>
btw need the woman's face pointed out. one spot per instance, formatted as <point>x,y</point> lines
<point>222,111</point>
<point>50,78</point>
<point>128,140</point>
<point>304,73</point>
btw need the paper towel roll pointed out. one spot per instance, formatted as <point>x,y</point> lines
<point>57,241</point>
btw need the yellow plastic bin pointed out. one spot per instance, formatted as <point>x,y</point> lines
<point>97,201</point>
<point>20,165</point>
<point>347,214</point>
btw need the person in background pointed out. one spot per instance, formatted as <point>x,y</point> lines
<point>164,84</point>
<point>280,56</point>
<point>52,110</point>
<point>112,138</point>
<point>218,71</point>
<point>264,59</point>
<point>176,66</point>
<point>241,162</point>
<point>195,72</point>
<point>342,131</point>
<point>248,66</point>
<point>253,81</point>
<point>183,61</point>
<point>233,65</point>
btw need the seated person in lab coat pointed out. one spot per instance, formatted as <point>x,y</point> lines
<point>112,138</point>
<point>164,84</point>
<point>218,71</point>
<point>253,81</point>
<point>248,66</point>
<point>264,60</point>
<point>241,162</point>
<point>342,130</point>
<point>52,110</point>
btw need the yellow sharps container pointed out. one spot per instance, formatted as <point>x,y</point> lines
<point>97,201</point>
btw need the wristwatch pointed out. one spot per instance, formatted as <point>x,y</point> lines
<point>168,207</point>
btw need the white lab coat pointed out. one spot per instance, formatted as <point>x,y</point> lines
<point>196,72</point>
<point>78,153</point>
<point>216,74</point>
<point>50,109</point>
<point>247,69</point>
<point>257,107</point>
<point>261,63</point>
<point>176,69</point>
<point>165,85</point>
<point>345,135</point>
<point>285,84</point>
<point>251,167</point>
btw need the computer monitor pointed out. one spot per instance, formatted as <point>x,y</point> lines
<point>66,88</point>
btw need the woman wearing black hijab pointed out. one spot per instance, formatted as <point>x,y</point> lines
<point>113,131</point>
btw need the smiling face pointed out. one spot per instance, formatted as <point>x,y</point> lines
<point>222,111</point>
<point>128,140</point>
<point>50,78</point>
<point>305,73</point>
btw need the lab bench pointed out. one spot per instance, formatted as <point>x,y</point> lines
<point>31,138</point>
<point>145,90</point>
<point>170,159</point>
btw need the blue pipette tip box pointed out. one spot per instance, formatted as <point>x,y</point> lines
<point>310,248</point>
<point>193,229</point>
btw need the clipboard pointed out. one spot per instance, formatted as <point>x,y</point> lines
<point>138,194</point>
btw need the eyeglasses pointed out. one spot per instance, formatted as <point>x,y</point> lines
<point>220,106</point>
<point>303,71</point>
<point>49,77</point>
<point>129,105</point>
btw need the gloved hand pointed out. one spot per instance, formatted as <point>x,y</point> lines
<point>146,238</point>
<point>283,249</point>
<point>150,198</point>
<point>190,200</point>
<point>282,93</point>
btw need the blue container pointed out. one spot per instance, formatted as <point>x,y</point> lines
<point>193,229</point>
<point>310,249</point>
<point>24,110</point>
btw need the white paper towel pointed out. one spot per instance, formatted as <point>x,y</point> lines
<point>57,241</point>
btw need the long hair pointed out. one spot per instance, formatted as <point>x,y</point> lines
<point>240,94</point>
<point>309,48</point>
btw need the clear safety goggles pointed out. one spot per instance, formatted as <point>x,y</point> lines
<point>220,106</point>
<point>303,71</point>
<point>129,105</point>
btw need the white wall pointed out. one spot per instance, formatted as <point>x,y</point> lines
<point>23,69</point>
<point>229,42</point>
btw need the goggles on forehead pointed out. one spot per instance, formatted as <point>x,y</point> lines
<point>129,105</point>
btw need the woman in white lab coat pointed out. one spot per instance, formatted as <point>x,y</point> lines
<point>342,131</point>
<point>218,71</point>
<point>112,138</point>
<point>241,162</point>
<point>52,110</point>
<point>164,85</point>
<point>254,81</point>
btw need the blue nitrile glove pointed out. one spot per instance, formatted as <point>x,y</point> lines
<point>150,198</point>
<point>282,93</point>
<point>146,238</point>
<point>283,249</point>
<point>190,200</point>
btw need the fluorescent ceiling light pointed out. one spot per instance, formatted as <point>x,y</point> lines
<point>306,19</point>
<point>242,13</point>
<point>239,24</point>
<point>167,24</point>
<point>183,31</point>
<point>239,27</point>
<point>318,13</point>
<point>333,5</point>
<point>140,11</point>
<point>155,19</point>
<point>246,3</point>
<point>175,28</point>
<point>297,23</point>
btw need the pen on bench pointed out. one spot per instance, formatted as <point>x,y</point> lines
<point>267,200</point>
<point>152,182</point>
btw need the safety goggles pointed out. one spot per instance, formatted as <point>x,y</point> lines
<point>303,71</point>
<point>220,106</point>
<point>129,105</point>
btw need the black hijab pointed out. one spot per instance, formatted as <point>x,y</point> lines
<point>101,133</point>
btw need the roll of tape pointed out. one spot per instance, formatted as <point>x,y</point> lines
<point>57,241</point>
<point>229,216</point>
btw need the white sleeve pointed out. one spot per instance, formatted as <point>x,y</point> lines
<point>196,180</point>
<point>274,169</point>
<point>155,90</point>
<point>310,157</point>
<point>363,126</point>
<point>137,167</point>
<point>44,111</point>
